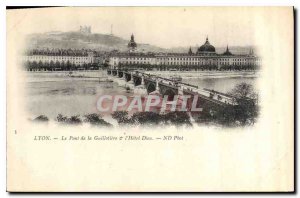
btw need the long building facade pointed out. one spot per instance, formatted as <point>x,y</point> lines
<point>77,57</point>
<point>205,56</point>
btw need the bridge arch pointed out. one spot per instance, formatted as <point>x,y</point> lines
<point>120,74</point>
<point>151,87</point>
<point>127,77</point>
<point>137,81</point>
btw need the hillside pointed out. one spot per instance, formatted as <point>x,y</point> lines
<point>104,42</point>
<point>77,40</point>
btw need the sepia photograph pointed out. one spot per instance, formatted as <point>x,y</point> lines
<point>188,82</point>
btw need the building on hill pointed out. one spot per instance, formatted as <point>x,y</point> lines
<point>85,29</point>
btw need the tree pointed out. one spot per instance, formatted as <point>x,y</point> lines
<point>147,118</point>
<point>122,117</point>
<point>73,66</point>
<point>41,118</point>
<point>75,120</point>
<point>96,120</point>
<point>34,65</point>
<point>246,108</point>
<point>46,66</point>
<point>177,118</point>
<point>68,65</point>
<point>40,65</point>
<point>57,64</point>
<point>63,65</point>
<point>51,65</point>
<point>242,91</point>
<point>27,65</point>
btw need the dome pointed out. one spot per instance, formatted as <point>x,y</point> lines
<point>206,47</point>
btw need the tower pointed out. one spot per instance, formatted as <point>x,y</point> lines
<point>251,53</point>
<point>111,30</point>
<point>132,44</point>
<point>190,51</point>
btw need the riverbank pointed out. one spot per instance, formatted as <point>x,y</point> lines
<point>183,74</point>
<point>206,74</point>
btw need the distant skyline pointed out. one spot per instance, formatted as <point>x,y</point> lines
<point>141,42</point>
<point>164,27</point>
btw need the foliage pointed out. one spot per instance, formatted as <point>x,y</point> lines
<point>122,118</point>
<point>41,118</point>
<point>146,118</point>
<point>68,120</point>
<point>63,66</point>
<point>96,119</point>
<point>177,118</point>
<point>153,119</point>
<point>245,112</point>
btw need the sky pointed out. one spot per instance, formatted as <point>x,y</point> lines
<point>161,26</point>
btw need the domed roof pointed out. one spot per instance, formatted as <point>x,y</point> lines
<point>206,47</point>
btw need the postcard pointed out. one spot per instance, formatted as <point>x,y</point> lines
<point>150,99</point>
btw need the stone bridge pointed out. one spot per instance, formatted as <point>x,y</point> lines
<point>171,88</point>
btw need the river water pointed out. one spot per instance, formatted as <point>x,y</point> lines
<point>51,94</point>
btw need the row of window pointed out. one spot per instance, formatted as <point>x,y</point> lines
<point>189,62</point>
<point>71,61</point>
<point>188,59</point>
<point>56,58</point>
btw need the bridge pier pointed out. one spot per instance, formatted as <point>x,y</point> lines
<point>143,80</point>
<point>171,88</point>
<point>180,90</point>
<point>120,74</point>
<point>156,85</point>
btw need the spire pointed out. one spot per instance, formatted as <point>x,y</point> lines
<point>251,51</point>
<point>227,52</point>
<point>132,37</point>
<point>207,42</point>
<point>190,51</point>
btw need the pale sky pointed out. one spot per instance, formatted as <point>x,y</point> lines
<point>161,26</point>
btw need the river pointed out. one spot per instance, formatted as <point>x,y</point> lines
<point>51,94</point>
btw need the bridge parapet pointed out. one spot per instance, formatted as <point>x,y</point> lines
<point>169,87</point>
